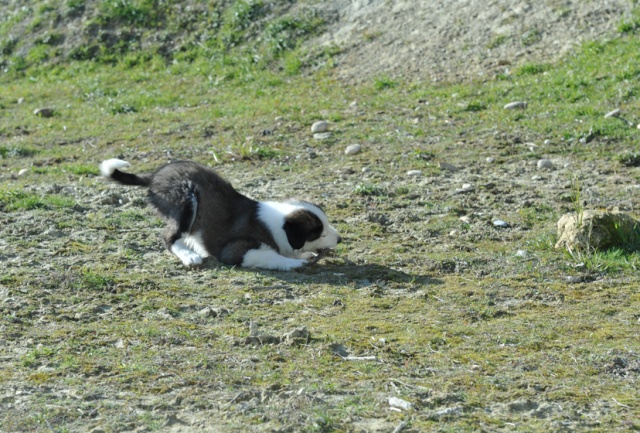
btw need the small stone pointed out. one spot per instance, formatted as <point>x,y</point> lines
<point>23,171</point>
<point>465,219</point>
<point>399,403</point>
<point>322,135</point>
<point>352,149</point>
<point>366,169</point>
<point>545,164</point>
<point>547,142</point>
<point>320,126</point>
<point>453,232</point>
<point>521,253</point>
<point>500,224</point>
<point>467,187</point>
<point>448,412</point>
<point>491,159</point>
<point>447,167</point>
<point>414,173</point>
<point>43,112</point>
<point>20,101</point>
<point>516,105</point>
<point>571,279</point>
<point>206,312</point>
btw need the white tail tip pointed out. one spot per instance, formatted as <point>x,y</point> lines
<point>108,166</point>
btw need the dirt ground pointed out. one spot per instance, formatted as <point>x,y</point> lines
<point>461,39</point>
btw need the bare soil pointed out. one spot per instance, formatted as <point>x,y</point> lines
<point>461,39</point>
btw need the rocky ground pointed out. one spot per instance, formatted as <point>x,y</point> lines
<point>461,39</point>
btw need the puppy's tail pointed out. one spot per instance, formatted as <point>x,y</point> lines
<point>110,169</point>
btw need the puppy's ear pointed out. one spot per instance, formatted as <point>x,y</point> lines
<point>302,226</point>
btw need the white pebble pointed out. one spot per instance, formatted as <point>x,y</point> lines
<point>516,105</point>
<point>500,223</point>
<point>521,253</point>
<point>467,187</point>
<point>320,126</point>
<point>399,403</point>
<point>23,171</point>
<point>366,169</point>
<point>545,163</point>
<point>491,159</point>
<point>352,149</point>
<point>414,173</point>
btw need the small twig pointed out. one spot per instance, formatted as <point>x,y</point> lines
<point>616,113</point>
<point>321,253</point>
<point>618,403</point>
<point>233,400</point>
<point>408,385</point>
<point>360,358</point>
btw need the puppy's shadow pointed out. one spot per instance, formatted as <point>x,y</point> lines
<point>341,274</point>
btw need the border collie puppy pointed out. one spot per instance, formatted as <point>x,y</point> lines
<point>206,216</point>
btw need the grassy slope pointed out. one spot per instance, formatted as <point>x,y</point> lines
<point>108,332</point>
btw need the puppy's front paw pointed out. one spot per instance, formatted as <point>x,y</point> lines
<point>194,261</point>
<point>190,258</point>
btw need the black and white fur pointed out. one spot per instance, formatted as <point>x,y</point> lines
<point>206,216</point>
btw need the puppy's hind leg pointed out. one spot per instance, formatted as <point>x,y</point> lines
<point>179,221</point>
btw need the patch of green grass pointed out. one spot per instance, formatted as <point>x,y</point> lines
<point>475,106</point>
<point>16,151</point>
<point>285,33</point>
<point>609,261</point>
<point>12,200</point>
<point>368,189</point>
<point>531,37</point>
<point>534,215</point>
<point>83,169</point>
<point>384,82</point>
<point>145,13</point>
<point>531,69</point>
<point>629,159</point>
<point>630,25</point>
<point>497,41</point>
